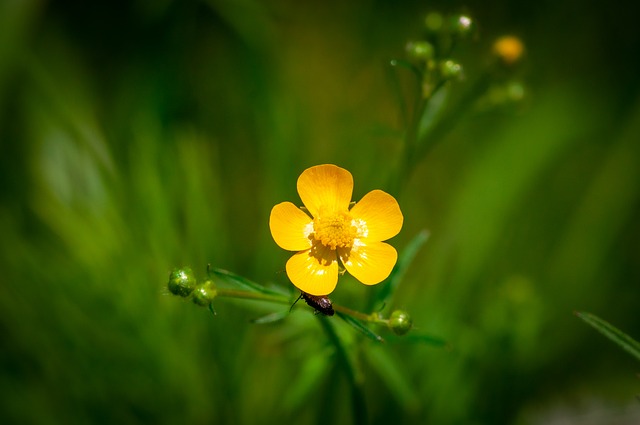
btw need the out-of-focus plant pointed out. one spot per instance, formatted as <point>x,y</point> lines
<point>428,113</point>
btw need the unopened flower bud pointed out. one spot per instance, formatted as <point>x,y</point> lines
<point>461,25</point>
<point>204,293</point>
<point>182,282</point>
<point>400,322</point>
<point>450,70</point>
<point>509,49</point>
<point>420,50</point>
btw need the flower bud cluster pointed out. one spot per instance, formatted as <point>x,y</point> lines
<point>182,282</point>
<point>431,55</point>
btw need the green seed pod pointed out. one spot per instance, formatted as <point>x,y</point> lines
<point>450,69</point>
<point>420,50</point>
<point>182,282</point>
<point>204,293</point>
<point>461,25</point>
<point>400,322</point>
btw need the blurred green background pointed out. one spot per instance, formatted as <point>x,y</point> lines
<point>139,136</point>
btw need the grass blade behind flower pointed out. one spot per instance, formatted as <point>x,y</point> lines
<point>627,343</point>
<point>383,297</point>
<point>242,281</point>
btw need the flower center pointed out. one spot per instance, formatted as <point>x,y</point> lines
<point>335,230</point>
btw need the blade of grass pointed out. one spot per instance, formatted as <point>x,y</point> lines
<point>627,343</point>
<point>347,362</point>
<point>392,375</point>
<point>384,296</point>
<point>242,281</point>
<point>360,327</point>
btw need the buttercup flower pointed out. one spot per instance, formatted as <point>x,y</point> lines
<point>330,234</point>
<point>509,49</point>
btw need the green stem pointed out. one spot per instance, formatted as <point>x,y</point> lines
<point>280,299</point>
<point>371,318</point>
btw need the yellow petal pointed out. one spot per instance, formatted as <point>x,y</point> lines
<point>325,188</point>
<point>314,271</point>
<point>370,263</point>
<point>290,227</point>
<point>379,214</point>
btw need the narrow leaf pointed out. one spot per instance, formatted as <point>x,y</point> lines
<point>627,343</point>
<point>385,294</point>
<point>360,327</point>
<point>242,281</point>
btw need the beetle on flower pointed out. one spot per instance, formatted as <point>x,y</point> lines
<point>330,235</point>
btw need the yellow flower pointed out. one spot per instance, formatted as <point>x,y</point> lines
<point>509,49</point>
<point>331,233</point>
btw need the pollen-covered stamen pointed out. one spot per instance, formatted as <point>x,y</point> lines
<point>336,230</point>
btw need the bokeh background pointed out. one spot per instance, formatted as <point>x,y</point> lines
<point>136,136</point>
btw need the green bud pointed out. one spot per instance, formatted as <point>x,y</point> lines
<point>400,322</point>
<point>204,293</point>
<point>182,281</point>
<point>461,25</point>
<point>420,50</point>
<point>450,69</point>
<point>433,22</point>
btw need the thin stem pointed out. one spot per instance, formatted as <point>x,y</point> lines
<point>280,299</point>
<point>372,318</point>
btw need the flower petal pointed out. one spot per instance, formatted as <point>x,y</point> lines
<point>370,263</point>
<point>290,227</point>
<point>325,187</point>
<point>381,215</point>
<point>314,271</point>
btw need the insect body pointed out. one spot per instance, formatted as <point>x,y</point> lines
<point>321,303</point>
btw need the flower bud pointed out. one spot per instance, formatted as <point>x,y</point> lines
<point>450,70</point>
<point>509,49</point>
<point>461,25</point>
<point>182,282</point>
<point>420,50</point>
<point>204,293</point>
<point>400,322</point>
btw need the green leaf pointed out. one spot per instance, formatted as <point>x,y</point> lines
<point>385,294</point>
<point>627,343</point>
<point>432,111</point>
<point>360,327</point>
<point>242,281</point>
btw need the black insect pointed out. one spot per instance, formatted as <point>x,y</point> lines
<point>321,303</point>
